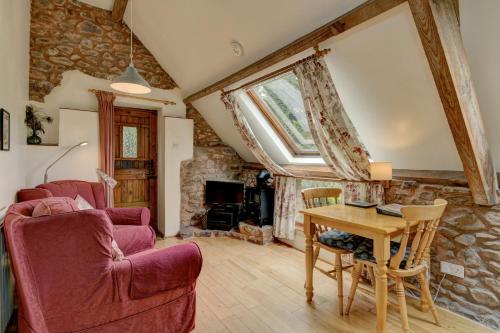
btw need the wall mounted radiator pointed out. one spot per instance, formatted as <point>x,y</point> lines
<point>6,283</point>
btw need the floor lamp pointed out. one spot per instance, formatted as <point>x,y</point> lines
<point>46,176</point>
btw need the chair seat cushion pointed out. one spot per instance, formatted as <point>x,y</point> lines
<point>364,251</point>
<point>340,239</point>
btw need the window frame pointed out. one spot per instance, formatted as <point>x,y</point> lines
<point>278,128</point>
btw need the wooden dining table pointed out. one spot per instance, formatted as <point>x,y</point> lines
<point>364,222</point>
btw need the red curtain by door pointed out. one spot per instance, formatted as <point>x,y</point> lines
<point>106,139</point>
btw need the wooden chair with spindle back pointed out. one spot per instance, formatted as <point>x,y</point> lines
<point>407,260</point>
<point>338,242</point>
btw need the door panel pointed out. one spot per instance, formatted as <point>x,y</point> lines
<point>136,159</point>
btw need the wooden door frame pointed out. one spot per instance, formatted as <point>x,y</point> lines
<point>153,185</point>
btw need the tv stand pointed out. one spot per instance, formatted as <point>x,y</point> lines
<point>223,216</point>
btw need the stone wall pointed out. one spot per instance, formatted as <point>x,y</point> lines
<point>212,159</point>
<point>468,235</point>
<point>68,35</point>
<point>216,163</point>
<point>204,135</point>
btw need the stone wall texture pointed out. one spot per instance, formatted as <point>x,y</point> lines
<point>468,235</point>
<point>213,163</point>
<point>70,35</point>
<point>204,135</point>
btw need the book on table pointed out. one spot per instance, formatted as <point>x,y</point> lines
<point>390,209</point>
<point>361,204</point>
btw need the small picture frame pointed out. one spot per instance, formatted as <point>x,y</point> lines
<point>4,130</point>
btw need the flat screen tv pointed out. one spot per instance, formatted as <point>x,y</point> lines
<point>224,192</point>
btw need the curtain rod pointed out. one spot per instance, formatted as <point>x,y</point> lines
<point>166,102</point>
<point>319,53</point>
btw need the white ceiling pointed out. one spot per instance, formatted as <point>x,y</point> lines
<point>379,67</point>
<point>190,38</point>
<point>104,4</point>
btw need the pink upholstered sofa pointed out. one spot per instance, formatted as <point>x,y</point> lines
<point>67,281</point>
<point>131,227</point>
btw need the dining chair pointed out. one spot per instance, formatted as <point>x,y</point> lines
<point>407,260</point>
<point>335,241</point>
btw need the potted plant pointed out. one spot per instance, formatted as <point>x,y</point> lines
<point>34,121</point>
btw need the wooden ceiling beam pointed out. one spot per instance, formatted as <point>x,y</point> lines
<point>358,15</point>
<point>119,10</point>
<point>439,31</point>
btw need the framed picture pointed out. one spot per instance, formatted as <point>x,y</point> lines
<point>4,130</point>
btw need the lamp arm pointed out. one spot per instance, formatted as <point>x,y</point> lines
<point>46,175</point>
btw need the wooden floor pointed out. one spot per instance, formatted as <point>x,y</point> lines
<point>250,288</point>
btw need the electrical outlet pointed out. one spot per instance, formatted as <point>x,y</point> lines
<point>452,269</point>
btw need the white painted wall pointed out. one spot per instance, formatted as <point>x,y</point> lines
<point>14,62</point>
<point>178,148</point>
<point>71,127</point>
<point>480,26</point>
<point>81,163</point>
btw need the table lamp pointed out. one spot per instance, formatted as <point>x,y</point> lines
<point>381,171</point>
<point>46,176</point>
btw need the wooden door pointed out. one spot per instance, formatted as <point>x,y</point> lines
<point>136,159</point>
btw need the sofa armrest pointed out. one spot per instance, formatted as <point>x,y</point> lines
<point>129,216</point>
<point>166,269</point>
<point>29,194</point>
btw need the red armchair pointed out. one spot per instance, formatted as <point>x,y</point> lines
<point>130,225</point>
<point>67,281</point>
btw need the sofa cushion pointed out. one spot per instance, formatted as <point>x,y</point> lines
<point>132,238</point>
<point>92,192</point>
<point>82,203</point>
<point>54,205</point>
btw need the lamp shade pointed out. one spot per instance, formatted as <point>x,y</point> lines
<point>381,170</point>
<point>130,81</point>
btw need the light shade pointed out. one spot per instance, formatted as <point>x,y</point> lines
<point>130,81</point>
<point>381,170</point>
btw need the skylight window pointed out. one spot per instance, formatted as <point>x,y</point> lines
<point>280,101</point>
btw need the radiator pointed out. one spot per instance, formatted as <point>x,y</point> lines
<point>6,283</point>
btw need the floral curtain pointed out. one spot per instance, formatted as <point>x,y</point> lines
<point>106,138</point>
<point>285,183</point>
<point>334,134</point>
<point>232,103</point>
<point>364,191</point>
<point>285,207</point>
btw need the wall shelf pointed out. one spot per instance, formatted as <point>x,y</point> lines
<point>45,145</point>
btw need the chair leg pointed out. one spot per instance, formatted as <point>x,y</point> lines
<point>356,275</point>
<point>316,255</point>
<point>426,293</point>
<point>400,293</point>
<point>371,273</point>
<point>340,282</point>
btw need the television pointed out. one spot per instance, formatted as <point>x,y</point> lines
<point>224,192</point>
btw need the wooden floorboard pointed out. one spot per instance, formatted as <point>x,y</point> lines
<point>245,287</point>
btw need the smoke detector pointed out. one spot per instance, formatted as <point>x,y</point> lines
<point>237,48</point>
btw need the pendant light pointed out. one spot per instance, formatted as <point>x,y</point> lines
<point>130,81</point>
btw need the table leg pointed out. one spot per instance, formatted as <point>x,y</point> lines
<point>381,249</point>
<point>309,232</point>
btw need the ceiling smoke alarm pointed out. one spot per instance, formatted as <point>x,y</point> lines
<point>237,48</point>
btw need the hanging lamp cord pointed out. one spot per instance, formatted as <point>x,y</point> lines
<point>131,36</point>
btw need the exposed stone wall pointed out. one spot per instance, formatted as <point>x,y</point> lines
<point>68,35</point>
<point>468,235</point>
<point>204,135</point>
<point>220,163</point>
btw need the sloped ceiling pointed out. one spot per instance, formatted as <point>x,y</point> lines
<point>379,67</point>
<point>190,38</point>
